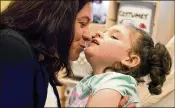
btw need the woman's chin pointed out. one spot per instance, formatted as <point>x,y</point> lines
<point>74,57</point>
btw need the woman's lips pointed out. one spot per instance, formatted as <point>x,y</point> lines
<point>83,46</point>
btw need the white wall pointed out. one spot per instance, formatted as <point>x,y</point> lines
<point>169,100</point>
<point>164,29</point>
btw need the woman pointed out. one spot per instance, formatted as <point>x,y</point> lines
<point>38,39</point>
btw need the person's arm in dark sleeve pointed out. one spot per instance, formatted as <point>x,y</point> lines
<point>16,74</point>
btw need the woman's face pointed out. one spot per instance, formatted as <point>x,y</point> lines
<point>82,33</point>
<point>111,46</point>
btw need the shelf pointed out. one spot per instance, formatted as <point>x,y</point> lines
<point>153,2</point>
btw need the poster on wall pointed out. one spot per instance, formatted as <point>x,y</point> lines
<point>140,14</point>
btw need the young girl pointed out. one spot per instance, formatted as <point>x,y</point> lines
<point>119,58</point>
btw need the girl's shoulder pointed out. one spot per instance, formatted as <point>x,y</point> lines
<point>108,79</point>
<point>107,76</point>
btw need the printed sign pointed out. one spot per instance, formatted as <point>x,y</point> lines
<point>140,15</point>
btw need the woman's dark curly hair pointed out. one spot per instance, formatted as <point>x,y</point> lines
<point>155,60</point>
<point>48,25</point>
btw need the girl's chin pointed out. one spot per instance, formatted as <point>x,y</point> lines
<point>89,52</point>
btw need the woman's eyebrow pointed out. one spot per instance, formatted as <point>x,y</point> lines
<point>86,18</point>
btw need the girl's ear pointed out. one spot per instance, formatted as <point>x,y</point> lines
<point>131,61</point>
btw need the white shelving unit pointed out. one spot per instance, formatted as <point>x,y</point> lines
<point>163,21</point>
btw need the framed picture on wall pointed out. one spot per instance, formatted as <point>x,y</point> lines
<point>100,9</point>
<point>140,14</point>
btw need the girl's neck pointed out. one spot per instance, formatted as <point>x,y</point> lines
<point>98,70</point>
<point>98,67</point>
<point>101,70</point>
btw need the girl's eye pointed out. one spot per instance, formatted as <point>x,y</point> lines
<point>114,37</point>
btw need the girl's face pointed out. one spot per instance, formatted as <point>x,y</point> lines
<point>82,34</point>
<point>110,46</point>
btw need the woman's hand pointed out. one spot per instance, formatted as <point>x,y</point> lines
<point>125,100</point>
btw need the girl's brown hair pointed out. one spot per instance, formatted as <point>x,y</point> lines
<point>155,60</point>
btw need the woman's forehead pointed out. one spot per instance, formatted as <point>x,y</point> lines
<point>85,13</point>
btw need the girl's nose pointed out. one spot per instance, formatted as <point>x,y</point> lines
<point>98,35</point>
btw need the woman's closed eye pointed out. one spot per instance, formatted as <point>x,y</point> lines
<point>82,24</point>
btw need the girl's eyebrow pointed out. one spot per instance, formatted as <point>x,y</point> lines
<point>116,31</point>
<point>105,31</point>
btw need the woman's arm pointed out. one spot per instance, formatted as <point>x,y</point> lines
<point>105,98</point>
<point>16,73</point>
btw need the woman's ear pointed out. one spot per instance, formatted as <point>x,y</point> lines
<point>131,61</point>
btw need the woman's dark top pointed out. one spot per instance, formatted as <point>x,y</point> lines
<point>23,80</point>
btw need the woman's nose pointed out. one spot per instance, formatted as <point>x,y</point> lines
<point>86,36</point>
